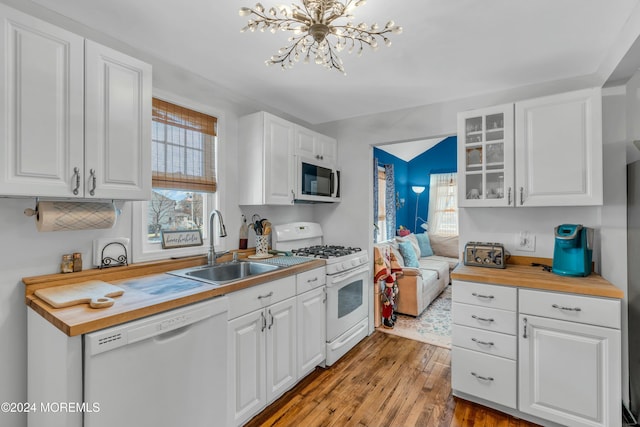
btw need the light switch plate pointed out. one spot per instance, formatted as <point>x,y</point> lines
<point>525,241</point>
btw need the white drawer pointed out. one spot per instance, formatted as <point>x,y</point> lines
<point>260,296</point>
<point>575,308</point>
<point>489,342</point>
<point>485,376</point>
<point>503,297</point>
<point>491,319</point>
<point>311,279</point>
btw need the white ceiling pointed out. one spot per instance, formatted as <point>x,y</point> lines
<point>448,50</point>
<point>408,150</point>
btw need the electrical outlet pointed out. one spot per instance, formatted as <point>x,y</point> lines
<point>525,241</point>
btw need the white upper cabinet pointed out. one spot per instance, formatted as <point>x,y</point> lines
<point>41,85</point>
<point>265,157</point>
<point>117,124</point>
<point>485,157</point>
<point>547,153</point>
<point>314,145</point>
<point>68,112</point>
<point>559,150</point>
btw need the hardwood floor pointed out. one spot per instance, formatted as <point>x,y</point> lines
<point>384,381</point>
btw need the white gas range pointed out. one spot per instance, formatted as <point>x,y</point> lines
<point>347,283</point>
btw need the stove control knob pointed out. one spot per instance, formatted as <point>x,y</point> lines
<point>354,262</point>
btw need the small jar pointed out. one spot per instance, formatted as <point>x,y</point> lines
<point>67,263</point>
<point>77,261</point>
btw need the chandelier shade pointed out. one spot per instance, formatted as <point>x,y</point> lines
<point>320,29</point>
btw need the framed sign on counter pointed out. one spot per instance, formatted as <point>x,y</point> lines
<point>180,239</point>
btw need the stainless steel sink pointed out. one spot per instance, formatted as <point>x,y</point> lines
<point>220,274</point>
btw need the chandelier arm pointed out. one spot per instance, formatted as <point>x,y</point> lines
<point>282,57</point>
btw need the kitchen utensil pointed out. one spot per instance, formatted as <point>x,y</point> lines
<point>95,292</point>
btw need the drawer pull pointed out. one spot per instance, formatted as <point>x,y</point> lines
<point>269,295</point>
<point>559,307</point>
<point>480,377</point>
<point>483,296</point>
<point>482,319</point>
<point>315,279</point>
<point>487,343</point>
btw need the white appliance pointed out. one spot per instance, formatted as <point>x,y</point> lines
<point>316,182</point>
<point>165,370</point>
<point>347,283</point>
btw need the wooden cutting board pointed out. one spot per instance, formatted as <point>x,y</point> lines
<point>95,292</point>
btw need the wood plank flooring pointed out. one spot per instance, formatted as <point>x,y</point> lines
<point>384,381</point>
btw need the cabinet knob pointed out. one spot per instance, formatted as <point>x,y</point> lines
<point>559,307</point>
<point>76,173</point>
<point>483,296</point>
<point>480,377</point>
<point>92,173</point>
<point>487,343</point>
<point>482,319</point>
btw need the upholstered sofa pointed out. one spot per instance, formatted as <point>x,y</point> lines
<point>423,272</point>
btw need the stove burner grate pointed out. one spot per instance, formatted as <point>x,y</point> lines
<point>325,251</point>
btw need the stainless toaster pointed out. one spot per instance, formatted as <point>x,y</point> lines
<point>482,254</point>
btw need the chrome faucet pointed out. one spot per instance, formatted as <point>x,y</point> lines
<point>223,233</point>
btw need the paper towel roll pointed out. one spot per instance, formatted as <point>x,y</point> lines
<point>64,216</point>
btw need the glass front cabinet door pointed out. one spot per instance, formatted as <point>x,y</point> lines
<point>486,157</point>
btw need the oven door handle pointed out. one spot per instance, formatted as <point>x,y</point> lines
<point>346,340</point>
<point>347,274</point>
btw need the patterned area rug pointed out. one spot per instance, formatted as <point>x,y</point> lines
<point>433,326</point>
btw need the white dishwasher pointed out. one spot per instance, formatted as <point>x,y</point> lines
<point>166,370</point>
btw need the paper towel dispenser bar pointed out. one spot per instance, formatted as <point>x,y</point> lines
<point>67,216</point>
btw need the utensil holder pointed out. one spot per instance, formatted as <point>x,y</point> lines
<point>262,244</point>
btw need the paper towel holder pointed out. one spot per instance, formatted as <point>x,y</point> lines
<point>34,212</point>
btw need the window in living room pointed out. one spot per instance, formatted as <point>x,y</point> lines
<point>443,204</point>
<point>382,196</point>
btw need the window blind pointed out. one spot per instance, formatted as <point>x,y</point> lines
<point>183,148</point>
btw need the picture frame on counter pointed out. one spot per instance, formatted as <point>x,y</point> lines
<point>180,238</point>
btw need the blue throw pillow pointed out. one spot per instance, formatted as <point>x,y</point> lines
<point>409,254</point>
<point>425,244</point>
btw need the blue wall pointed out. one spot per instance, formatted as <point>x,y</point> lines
<point>442,158</point>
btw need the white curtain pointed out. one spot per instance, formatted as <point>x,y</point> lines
<point>443,204</point>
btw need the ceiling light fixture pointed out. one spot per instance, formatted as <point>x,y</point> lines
<point>315,34</point>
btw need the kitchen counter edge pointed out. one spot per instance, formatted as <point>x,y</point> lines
<point>527,276</point>
<point>81,319</point>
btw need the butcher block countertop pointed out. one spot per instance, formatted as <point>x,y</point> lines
<point>520,273</point>
<point>137,301</point>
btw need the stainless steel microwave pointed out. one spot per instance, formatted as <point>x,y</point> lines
<point>316,182</point>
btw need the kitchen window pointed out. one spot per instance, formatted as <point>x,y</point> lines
<point>183,150</point>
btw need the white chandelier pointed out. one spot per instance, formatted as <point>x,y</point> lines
<point>312,24</point>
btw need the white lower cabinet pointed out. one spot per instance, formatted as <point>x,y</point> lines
<point>570,371</point>
<point>311,330</point>
<point>276,334</point>
<point>262,347</point>
<point>483,357</point>
<point>562,368</point>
